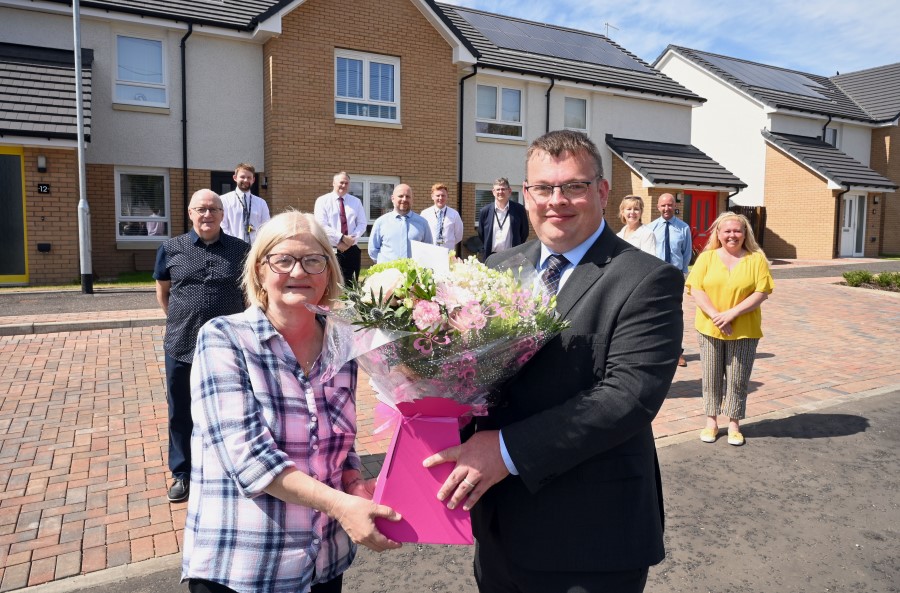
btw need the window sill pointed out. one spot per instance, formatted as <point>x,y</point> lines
<point>140,108</point>
<point>368,123</point>
<point>140,244</point>
<point>493,140</point>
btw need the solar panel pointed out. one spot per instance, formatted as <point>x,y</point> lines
<point>551,41</point>
<point>766,77</point>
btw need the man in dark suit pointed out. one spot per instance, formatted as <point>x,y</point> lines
<point>562,476</point>
<point>503,224</point>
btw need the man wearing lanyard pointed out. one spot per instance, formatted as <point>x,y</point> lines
<point>502,224</point>
<point>673,241</point>
<point>446,225</point>
<point>344,219</point>
<point>392,232</point>
<point>244,212</point>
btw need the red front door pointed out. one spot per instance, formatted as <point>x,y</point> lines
<point>704,209</point>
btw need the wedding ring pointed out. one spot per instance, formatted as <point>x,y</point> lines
<point>468,483</point>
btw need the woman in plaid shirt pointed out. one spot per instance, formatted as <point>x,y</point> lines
<point>277,502</point>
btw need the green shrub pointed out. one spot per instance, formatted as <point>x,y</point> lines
<point>858,277</point>
<point>884,279</point>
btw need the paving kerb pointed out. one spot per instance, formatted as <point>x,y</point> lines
<point>137,502</point>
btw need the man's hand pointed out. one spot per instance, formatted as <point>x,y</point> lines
<point>479,466</point>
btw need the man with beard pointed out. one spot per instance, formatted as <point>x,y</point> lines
<point>244,212</point>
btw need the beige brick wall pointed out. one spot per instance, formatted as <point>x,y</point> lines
<point>304,145</point>
<point>886,160</point>
<point>801,212</point>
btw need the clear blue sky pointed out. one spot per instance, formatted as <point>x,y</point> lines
<point>816,36</point>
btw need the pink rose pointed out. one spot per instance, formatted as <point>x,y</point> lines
<point>382,284</point>
<point>427,315</point>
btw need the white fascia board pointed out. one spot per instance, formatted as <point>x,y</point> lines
<point>35,142</point>
<point>461,54</point>
<point>817,117</point>
<point>271,27</point>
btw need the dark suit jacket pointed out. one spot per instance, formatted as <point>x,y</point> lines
<point>518,221</point>
<point>576,420</point>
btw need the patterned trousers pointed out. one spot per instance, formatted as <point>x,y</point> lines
<point>726,374</point>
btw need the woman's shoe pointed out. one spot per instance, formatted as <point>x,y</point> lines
<point>735,438</point>
<point>709,435</point>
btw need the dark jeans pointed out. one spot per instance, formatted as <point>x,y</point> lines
<point>350,262</point>
<point>178,387</point>
<point>201,586</point>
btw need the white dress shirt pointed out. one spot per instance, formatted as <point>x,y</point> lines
<point>241,211</point>
<point>502,238</point>
<point>328,214</point>
<point>453,225</point>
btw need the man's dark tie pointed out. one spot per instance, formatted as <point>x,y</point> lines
<point>344,230</point>
<point>668,245</point>
<point>440,227</point>
<point>552,273</point>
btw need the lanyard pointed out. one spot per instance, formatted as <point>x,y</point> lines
<point>247,207</point>
<point>500,223</point>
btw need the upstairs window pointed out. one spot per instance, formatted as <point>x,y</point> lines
<point>140,72</point>
<point>575,114</point>
<point>366,87</point>
<point>499,112</point>
<point>831,136</point>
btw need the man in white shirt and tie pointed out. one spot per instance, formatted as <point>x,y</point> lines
<point>446,225</point>
<point>244,212</point>
<point>344,219</point>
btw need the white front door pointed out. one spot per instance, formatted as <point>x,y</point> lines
<point>853,225</point>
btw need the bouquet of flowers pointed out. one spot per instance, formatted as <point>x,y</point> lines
<point>436,346</point>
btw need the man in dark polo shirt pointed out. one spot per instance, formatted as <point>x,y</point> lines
<point>198,277</point>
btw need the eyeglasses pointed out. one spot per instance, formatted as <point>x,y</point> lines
<point>283,263</point>
<point>573,189</point>
<point>205,211</point>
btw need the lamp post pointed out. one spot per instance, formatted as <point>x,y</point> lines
<point>84,211</point>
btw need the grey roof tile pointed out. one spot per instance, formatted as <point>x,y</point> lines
<point>778,87</point>
<point>877,90</point>
<point>678,164</point>
<point>828,161</point>
<point>37,91</point>
<point>616,68</point>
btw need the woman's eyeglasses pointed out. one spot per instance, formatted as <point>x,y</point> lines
<point>283,263</point>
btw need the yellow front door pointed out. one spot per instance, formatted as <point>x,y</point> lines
<point>13,252</point>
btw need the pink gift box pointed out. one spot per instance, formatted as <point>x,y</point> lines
<point>427,426</point>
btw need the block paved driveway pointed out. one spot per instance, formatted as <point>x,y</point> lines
<point>83,420</point>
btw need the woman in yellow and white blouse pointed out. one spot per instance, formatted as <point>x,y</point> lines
<point>729,281</point>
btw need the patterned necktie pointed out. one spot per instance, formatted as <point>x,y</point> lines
<point>343,213</point>
<point>406,245</point>
<point>668,245</point>
<point>440,227</point>
<point>553,272</point>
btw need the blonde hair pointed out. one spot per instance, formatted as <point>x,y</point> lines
<point>750,243</point>
<point>628,201</point>
<point>288,224</point>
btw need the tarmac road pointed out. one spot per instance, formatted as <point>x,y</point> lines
<point>811,504</point>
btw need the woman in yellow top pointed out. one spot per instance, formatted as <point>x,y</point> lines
<point>729,282</point>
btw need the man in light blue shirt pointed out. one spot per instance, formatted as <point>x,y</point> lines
<point>673,235</point>
<point>392,232</point>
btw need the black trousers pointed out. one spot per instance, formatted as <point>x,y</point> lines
<point>201,586</point>
<point>496,573</point>
<point>178,387</point>
<point>350,262</point>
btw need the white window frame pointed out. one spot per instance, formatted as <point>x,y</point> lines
<point>587,123</point>
<point>834,140</point>
<point>164,86</point>
<point>120,218</point>
<point>498,119</point>
<point>515,195</point>
<point>366,197</point>
<point>367,60</point>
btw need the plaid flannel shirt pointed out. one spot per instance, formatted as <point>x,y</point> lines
<point>255,415</point>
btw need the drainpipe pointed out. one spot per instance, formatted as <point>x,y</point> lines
<point>547,124</point>
<point>824,128</point>
<point>836,249</point>
<point>459,167</point>
<point>184,143</point>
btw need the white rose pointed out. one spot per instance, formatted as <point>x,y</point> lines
<point>383,284</point>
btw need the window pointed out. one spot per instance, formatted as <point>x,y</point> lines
<point>498,112</point>
<point>375,193</point>
<point>831,136</point>
<point>483,197</point>
<point>366,87</point>
<point>140,72</point>
<point>575,114</point>
<point>142,204</point>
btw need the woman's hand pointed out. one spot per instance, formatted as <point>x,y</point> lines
<point>357,516</point>
<point>723,320</point>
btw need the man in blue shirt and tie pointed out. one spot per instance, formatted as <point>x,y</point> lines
<point>392,232</point>
<point>673,239</point>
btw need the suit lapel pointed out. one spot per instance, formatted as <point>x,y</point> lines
<point>586,273</point>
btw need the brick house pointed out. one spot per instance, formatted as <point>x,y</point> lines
<point>805,146</point>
